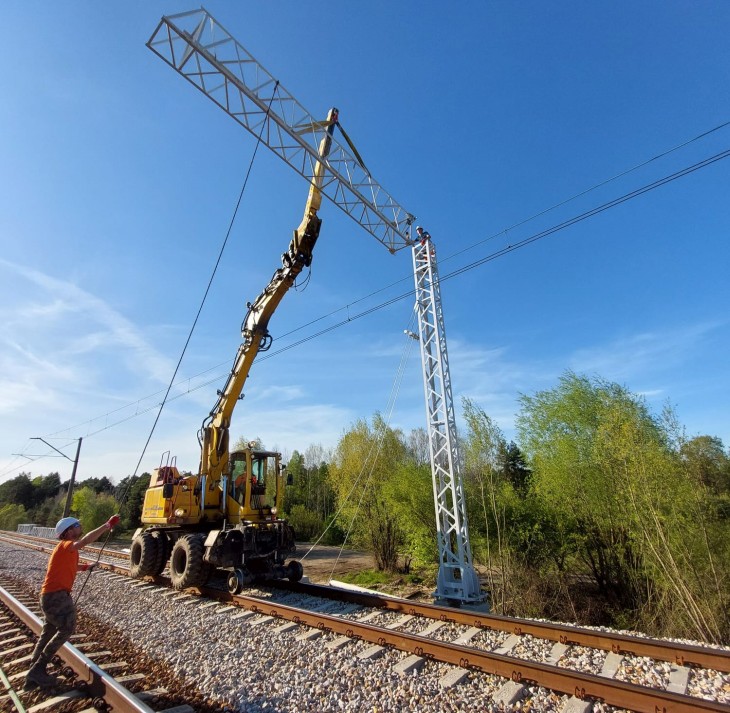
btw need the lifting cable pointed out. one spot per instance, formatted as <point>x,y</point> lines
<point>123,496</point>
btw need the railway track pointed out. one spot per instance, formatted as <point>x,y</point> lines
<point>528,657</point>
<point>90,677</point>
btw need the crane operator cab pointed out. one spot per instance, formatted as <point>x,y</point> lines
<point>255,473</point>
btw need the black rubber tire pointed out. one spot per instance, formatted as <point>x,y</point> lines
<point>164,549</point>
<point>143,555</point>
<point>187,568</point>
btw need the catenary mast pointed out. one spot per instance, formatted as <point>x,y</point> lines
<point>457,581</point>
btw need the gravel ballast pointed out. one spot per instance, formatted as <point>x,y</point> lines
<point>251,668</point>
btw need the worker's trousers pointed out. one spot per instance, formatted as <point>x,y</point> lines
<point>60,618</point>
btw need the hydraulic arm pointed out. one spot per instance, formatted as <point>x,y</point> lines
<point>214,436</point>
<point>226,515</point>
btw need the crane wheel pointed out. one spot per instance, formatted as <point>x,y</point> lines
<point>187,567</point>
<point>164,549</point>
<point>294,571</point>
<point>235,582</point>
<point>143,555</point>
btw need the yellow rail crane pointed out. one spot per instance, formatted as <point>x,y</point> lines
<point>227,515</point>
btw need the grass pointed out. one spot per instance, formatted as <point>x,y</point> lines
<point>375,579</point>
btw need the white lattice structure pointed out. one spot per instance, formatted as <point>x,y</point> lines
<point>200,49</point>
<point>457,581</point>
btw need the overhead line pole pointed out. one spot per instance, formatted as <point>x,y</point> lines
<point>75,461</point>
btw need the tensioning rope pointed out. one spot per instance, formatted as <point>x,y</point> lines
<point>123,496</point>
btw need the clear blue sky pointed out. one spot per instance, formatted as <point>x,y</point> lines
<point>119,181</point>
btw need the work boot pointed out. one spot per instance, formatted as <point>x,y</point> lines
<point>37,676</point>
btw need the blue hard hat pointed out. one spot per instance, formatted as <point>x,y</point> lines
<point>63,525</point>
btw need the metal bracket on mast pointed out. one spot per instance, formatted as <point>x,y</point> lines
<point>197,46</point>
<point>457,582</point>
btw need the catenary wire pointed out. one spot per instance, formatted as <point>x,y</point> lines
<point>524,221</point>
<point>190,333</point>
<point>492,256</point>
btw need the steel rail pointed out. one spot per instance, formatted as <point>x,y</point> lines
<point>679,653</point>
<point>582,685</point>
<point>22,538</point>
<point>676,652</point>
<point>99,684</point>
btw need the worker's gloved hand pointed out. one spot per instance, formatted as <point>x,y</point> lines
<point>88,566</point>
<point>113,521</point>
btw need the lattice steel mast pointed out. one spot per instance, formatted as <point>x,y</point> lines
<point>457,579</point>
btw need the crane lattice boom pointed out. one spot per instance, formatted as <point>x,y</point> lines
<point>201,50</point>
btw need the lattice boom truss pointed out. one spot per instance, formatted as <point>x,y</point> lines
<point>203,52</point>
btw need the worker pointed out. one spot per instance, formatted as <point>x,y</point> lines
<point>423,235</point>
<point>56,602</point>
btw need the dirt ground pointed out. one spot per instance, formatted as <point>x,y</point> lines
<point>324,562</point>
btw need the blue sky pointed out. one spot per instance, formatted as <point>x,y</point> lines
<point>119,181</point>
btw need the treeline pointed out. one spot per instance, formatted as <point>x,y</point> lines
<point>41,500</point>
<point>602,512</point>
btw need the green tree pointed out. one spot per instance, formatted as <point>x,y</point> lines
<point>706,462</point>
<point>409,491</point>
<point>98,485</point>
<point>610,472</point>
<point>560,430</point>
<point>307,524</point>
<point>490,499</point>
<point>18,491</point>
<point>418,446</point>
<point>310,500</point>
<point>93,509</point>
<point>12,515</point>
<point>130,495</point>
<point>45,487</point>
<point>242,442</point>
<point>514,467</point>
<point>365,461</point>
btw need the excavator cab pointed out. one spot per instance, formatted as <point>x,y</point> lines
<point>256,484</point>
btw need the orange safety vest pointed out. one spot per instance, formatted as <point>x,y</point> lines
<point>62,568</point>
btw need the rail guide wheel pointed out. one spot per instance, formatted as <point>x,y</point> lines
<point>238,579</point>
